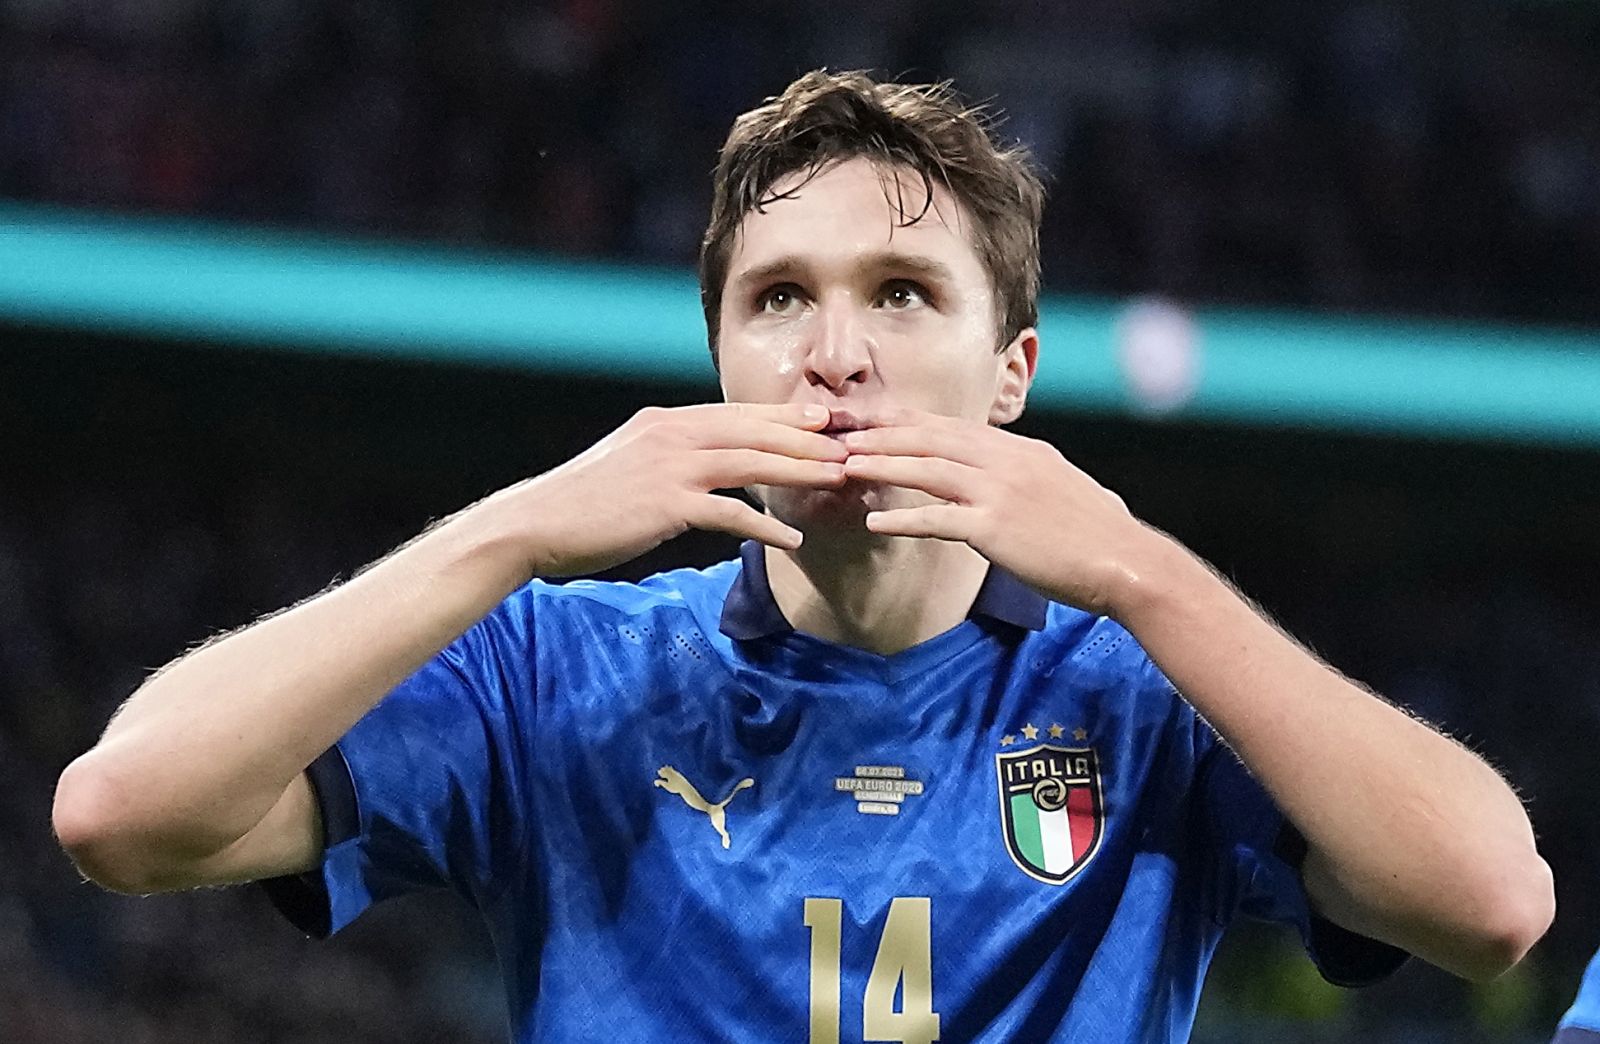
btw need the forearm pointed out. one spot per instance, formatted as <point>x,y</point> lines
<point>205,748</point>
<point>1413,838</point>
<point>197,778</point>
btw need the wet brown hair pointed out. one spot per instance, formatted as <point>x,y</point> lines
<point>926,129</point>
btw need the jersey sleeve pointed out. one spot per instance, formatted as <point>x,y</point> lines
<point>1584,1015</point>
<point>428,789</point>
<point>1255,857</point>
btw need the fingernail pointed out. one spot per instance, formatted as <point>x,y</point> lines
<point>816,413</point>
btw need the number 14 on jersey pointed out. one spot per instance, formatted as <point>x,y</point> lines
<point>904,963</point>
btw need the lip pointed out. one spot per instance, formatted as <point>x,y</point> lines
<point>842,421</point>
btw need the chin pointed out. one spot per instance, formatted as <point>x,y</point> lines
<point>820,510</point>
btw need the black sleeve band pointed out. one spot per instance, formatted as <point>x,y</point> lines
<point>303,898</point>
<point>336,797</point>
<point>1343,957</point>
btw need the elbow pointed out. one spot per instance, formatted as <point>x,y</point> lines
<point>1529,910</point>
<point>93,821</point>
<point>1519,912</point>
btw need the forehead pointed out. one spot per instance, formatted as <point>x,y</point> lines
<point>854,208</point>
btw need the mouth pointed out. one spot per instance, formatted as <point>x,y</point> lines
<point>843,421</point>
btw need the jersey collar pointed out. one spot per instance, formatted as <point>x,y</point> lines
<point>751,612</point>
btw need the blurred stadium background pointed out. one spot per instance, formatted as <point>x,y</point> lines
<point>282,280</point>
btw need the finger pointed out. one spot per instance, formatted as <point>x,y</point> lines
<point>772,437</point>
<point>727,515</point>
<point>964,444</point>
<point>908,416</point>
<point>809,416</point>
<point>945,479</point>
<point>735,468</point>
<point>931,521</point>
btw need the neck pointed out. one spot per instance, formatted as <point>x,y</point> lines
<point>882,594</point>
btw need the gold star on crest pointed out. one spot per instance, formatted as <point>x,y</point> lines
<point>1080,735</point>
<point>1029,731</point>
<point>1056,730</point>
<point>1007,740</point>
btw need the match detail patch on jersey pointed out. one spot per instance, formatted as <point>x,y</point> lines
<point>1051,809</point>
<point>879,790</point>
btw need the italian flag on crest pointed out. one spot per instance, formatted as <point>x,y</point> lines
<point>1050,809</point>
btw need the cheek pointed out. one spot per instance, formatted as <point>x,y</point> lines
<point>761,368</point>
<point>783,354</point>
<point>953,368</point>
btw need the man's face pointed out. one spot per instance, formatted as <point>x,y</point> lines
<point>831,299</point>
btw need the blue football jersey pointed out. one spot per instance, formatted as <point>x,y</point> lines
<point>1581,1023</point>
<point>683,820</point>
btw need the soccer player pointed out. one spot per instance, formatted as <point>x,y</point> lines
<point>957,749</point>
<point>1581,1023</point>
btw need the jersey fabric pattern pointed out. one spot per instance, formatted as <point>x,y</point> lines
<point>683,820</point>
<point>1581,1023</point>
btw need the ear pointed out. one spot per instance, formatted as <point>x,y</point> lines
<point>1017,363</point>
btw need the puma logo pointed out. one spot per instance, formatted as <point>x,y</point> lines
<point>672,781</point>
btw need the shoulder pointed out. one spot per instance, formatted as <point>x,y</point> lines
<point>681,590</point>
<point>549,637</point>
<point>1097,649</point>
<point>1102,661</point>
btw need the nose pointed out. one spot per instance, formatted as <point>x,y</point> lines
<point>840,353</point>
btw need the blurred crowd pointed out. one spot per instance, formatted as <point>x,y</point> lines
<point>1431,156</point>
<point>157,497</point>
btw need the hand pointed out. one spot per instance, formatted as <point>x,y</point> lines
<point>653,478</point>
<point>1015,500</point>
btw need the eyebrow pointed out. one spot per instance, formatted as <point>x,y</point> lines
<point>891,260</point>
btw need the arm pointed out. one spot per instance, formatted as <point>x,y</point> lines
<point>1412,839</point>
<point>199,778</point>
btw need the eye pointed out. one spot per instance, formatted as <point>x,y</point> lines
<point>782,299</point>
<point>902,294</point>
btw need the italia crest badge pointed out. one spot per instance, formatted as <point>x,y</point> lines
<point>1051,809</point>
